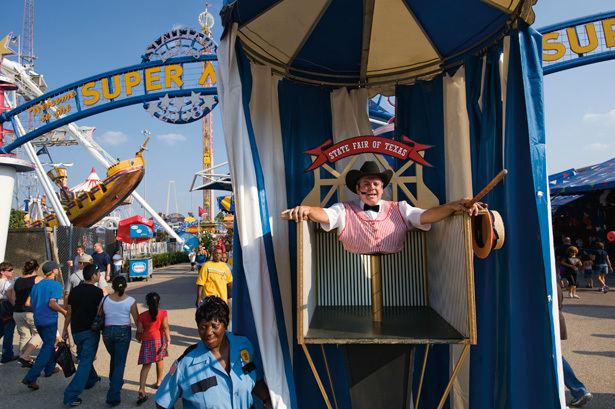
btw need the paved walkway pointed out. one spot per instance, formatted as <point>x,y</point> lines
<point>175,284</point>
<point>590,348</point>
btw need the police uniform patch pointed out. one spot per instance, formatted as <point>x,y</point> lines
<point>245,355</point>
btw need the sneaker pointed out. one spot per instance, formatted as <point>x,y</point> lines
<point>30,384</point>
<point>55,371</point>
<point>576,296</point>
<point>6,361</point>
<point>605,289</point>
<point>25,363</point>
<point>76,402</point>
<point>577,403</point>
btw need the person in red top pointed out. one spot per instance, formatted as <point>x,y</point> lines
<point>155,340</point>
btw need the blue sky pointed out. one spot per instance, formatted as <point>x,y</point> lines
<point>75,39</point>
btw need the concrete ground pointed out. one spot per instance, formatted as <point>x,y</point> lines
<point>175,284</point>
<point>590,348</point>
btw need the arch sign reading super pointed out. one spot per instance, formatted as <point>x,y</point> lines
<point>578,42</point>
<point>175,82</point>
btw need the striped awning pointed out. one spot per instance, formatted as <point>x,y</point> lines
<point>348,43</point>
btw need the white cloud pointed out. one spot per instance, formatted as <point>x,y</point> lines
<point>606,118</point>
<point>113,138</point>
<point>178,26</point>
<point>597,147</point>
<point>171,139</point>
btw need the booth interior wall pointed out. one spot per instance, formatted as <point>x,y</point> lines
<point>447,270</point>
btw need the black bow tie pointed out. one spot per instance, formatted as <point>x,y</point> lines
<point>367,207</point>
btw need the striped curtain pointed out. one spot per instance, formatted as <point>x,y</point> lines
<point>486,115</point>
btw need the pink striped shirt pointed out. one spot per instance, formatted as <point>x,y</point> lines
<point>384,234</point>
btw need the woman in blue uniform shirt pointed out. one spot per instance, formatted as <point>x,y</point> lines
<point>219,372</point>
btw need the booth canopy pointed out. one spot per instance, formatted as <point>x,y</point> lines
<point>588,179</point>
<point>348,43</point>
<point>126,234</point>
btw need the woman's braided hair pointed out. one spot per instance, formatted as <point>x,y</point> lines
<point>213,309</point>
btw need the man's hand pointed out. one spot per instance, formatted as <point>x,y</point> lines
<point>298,213</point>
<point>65,334</point>
<point>470,208</point>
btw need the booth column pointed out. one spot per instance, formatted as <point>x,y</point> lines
<point>9,167</point>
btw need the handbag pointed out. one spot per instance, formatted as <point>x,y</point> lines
<point>64,357</point>
<point>99,320</point>
<point>6,310</point>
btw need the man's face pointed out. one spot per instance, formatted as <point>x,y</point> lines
<point>224,257</point>
<point>217,255</point>
<point>97,248</point>
<point>370,189</point>
<point>80,251</point>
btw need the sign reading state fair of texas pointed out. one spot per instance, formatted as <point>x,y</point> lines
<point>408,149</point>
<point>175,82</point>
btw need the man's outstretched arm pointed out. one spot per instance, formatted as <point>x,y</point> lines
<point>438,213</point>
<point>313,213</point>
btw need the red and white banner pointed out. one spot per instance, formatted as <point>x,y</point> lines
<point>408,149</point>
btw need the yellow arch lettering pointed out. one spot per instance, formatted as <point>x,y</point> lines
<point>550,43</point>
<point>152,78</point>
<point>592,39</point>
<point>90,95</point>
<point>608,26</point>
<point>111,94</point>
<point>208,74</point>
<point>131,80</point>
<point>173,73</point>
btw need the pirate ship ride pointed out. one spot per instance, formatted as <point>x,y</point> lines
<point>85,207</point>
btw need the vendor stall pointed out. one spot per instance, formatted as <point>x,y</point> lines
<point>133,231</point>
<point>294,82</point>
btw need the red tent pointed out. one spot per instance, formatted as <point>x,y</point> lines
<point>123,229</point>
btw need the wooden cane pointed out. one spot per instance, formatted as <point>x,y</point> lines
<point>497,179</point>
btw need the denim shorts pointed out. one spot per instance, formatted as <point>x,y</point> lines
<point>601,269</point>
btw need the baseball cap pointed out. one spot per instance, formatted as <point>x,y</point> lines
<point>86,259</point>
<point>49,266</point>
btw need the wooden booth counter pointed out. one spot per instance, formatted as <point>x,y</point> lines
<point>427,289</point>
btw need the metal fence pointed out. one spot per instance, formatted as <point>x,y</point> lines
<point>67,238</point>
<point>140,249</point>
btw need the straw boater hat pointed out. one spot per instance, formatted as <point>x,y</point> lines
<point>487,233</point>
<point>369,168</point>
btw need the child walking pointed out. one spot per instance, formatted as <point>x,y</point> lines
<point>572,265</point>
<point>154,342</point>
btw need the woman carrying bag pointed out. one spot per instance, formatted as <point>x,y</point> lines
<point>118,308</point>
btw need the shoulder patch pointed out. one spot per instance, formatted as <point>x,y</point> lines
<point>187,351</point>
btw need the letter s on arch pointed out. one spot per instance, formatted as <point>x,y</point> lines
<point>90,95</point>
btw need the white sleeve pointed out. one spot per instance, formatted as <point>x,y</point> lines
<point>337,217</point>
<point>412,215</point>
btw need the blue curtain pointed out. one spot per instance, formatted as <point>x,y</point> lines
<point>303,129</point>
<point>513,365</point>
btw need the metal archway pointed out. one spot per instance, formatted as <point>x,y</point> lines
<point>578,42</point>
<point>173,90</point>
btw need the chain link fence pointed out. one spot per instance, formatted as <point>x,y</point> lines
<point>67,238</point>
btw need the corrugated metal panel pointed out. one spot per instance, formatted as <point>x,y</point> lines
<point>403,274</point>
<point>343,278</point>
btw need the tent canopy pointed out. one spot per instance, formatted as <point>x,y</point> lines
<point>89,183</point>
<point>353,43</point>
<point>591,178</point>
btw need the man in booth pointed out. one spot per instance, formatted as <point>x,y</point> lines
<point>371,225</point>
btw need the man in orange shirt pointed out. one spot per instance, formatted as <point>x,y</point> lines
<point>214,278</point>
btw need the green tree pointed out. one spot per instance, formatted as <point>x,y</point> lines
<point>16,220</point>
<point>220,217</point>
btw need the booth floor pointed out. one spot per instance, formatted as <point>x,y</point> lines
<point>408,325</point>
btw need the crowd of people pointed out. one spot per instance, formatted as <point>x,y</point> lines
<point>593,262</point>
<point>92,311</point>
